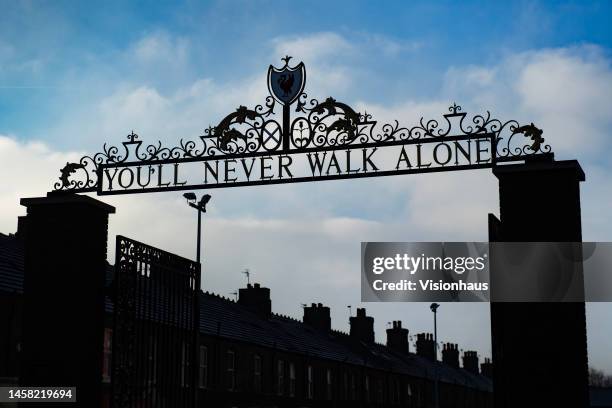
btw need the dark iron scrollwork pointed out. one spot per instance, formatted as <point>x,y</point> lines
<point>329,123</point>
<point>316,125</point>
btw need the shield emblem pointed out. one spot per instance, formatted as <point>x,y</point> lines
<point>286,83</point>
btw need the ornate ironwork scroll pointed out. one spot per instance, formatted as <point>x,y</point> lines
<point>316,126</point>
<point>156,322</point>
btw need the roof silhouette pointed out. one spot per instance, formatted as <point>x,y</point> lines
<point>224,317</point>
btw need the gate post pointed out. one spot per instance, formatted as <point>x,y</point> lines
<point>539,349</point>
<point>63,317</point>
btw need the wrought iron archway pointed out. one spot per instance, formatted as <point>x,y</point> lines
<point>318,133</point>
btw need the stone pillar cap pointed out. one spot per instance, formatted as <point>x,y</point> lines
<point>67,198</point>
<point>503,170</point>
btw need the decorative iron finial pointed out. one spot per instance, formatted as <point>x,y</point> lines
<point>132,136</point>
<point>286,58</point>
<point>66,171</point>
<point>532,132</point>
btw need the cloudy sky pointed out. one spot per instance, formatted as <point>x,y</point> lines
<point>74,76</point>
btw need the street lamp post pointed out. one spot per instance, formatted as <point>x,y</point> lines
<point>201,207</point>
<point>434,308</point>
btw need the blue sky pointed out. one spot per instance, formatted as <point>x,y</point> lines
<point>60,52</point>
<point>74,75</point>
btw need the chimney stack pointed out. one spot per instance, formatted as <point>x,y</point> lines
<point>450,355</point>
<point>21,227</point>
<point>425,346</point>
<point>362,326</point>
<point>397,338</point>
<point>318,317</point>
<point>486,368</point>
<point>256,298</point>
<point>470,361</point>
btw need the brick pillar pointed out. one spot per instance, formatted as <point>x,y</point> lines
<point>539,349</point>
<point>63,319</point>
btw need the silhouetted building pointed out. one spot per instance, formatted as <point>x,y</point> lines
<point>601,397</point>
<point>252,357</point>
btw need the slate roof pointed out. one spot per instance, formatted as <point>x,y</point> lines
<point>228,319</point>
<point>11,264</point>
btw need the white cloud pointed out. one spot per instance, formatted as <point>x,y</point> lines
<point>315,47</point>
<point>470,77</point>
<point>566,80</point>
<point>567,92</point>
<point>391,47</point>
<point>571,91</point>
<point>28,170</point>
<point>183,112</point>
<point>160,47</point>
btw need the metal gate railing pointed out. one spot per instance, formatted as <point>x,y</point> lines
<point>156,324</point>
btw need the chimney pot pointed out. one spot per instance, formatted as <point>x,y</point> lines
<point>21,227</point>
<point>362,326</point>
<point>470,361</point>
<point>317,316</point>
<point>486,368</point>
<point>450,355</point>
<point>397,338</point>
<point>257,299</point>
<point>425,346</point>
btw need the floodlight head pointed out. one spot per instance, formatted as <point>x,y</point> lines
<point>190,196</point>
<point>434,307</point>
<point>204,200</point>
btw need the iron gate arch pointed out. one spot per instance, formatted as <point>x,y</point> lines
<point>319,130</point>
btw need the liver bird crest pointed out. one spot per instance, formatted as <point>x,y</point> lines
<point>286,83</point>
